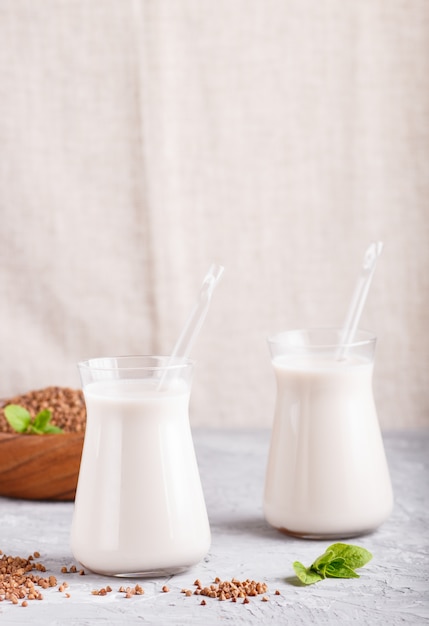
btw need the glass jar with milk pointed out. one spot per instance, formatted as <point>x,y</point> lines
<point>327,475</point>
<point>139,507</point>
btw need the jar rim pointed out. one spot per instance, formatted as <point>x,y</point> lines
<point>144,362</point>
<point>321,337</point>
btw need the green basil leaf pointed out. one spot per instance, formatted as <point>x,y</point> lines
<point>35,431</point>
<point>335,564</point>
<point>18,417</point>
<point>354,556</point>
<point>50,429</point>
<point>306,575</point>
<point>323,560</point>
<point>338,569</point>
<point>42,419</point>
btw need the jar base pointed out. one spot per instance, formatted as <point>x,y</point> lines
<point>323,535</point>
<point>153,573</point>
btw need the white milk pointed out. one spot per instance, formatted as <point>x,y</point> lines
<point>139,504</point>
<point>327,473</point>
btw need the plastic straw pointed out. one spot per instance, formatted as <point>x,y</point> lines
<point>359,296</point>
<point>197,316</point>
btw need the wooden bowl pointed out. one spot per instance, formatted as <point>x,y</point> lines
<point>40,467</point>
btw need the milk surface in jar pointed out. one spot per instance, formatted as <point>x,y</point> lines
<point>327,474</point>
<point>139,504</point>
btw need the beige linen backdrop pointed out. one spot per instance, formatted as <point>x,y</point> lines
<point>142,140</point>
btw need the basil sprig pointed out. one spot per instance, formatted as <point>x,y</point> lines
<point>340,560</point>
<point>21,421</point>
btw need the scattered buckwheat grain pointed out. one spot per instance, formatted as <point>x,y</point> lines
<point>18,578</point>
<point>230,590</point>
